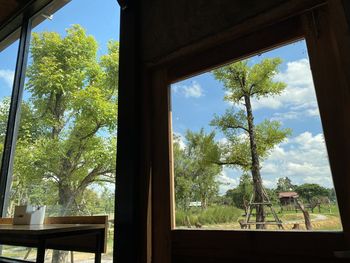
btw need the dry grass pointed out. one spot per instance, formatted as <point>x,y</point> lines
<point>319,223</point>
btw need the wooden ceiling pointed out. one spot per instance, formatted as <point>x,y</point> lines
<point>9,7</point>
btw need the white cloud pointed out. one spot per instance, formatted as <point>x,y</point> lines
<point>8,76</point>
<point>303,158</point>
<point>299,98</point>
<point>180,139</point>
<point>189,91</point>
<point>226,181</point>
<point>269,183</point>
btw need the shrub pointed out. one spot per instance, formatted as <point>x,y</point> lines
<point>211,215</point>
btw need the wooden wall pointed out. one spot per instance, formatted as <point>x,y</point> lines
<point>175,26</point>
<point>170,25</point>
<point>170,30</point>
<point>8,8</point>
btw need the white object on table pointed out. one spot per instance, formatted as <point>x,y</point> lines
<point>29,215</point>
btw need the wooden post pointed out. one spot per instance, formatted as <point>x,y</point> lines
<point>306,215</point>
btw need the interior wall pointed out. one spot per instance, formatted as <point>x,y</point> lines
<point>346,4</point>
<point>170,29</point>
<point>8,8</point>
<point>169,25</point>
<point>172,25</point>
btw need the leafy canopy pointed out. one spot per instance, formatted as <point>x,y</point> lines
<point>196,174</point>
<point>241,81</point>
<point>67,135</point>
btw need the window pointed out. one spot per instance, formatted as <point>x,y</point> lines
<point>64,148</point>
<point>213,246</point>
<point>7,75</point>
<point>269,101</point>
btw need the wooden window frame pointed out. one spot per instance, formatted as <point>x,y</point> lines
<point>325,31</point>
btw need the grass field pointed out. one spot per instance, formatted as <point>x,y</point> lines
<point>223,217</point>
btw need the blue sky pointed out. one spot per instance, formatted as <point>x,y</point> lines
<point>99,18</point>
<point>302,157</point>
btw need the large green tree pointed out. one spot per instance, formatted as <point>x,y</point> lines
<point>183,179</point>
<point>195,174</point>
<point>310,191</point>
<point>67,134</point>
<point>249,143</point>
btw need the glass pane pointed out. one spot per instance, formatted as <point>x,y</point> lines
<point>249,150</point>
<point>66,148</point>
<point>8,58</point>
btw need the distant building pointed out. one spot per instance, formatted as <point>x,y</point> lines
<point>287,198</point>
<point>195,204</point>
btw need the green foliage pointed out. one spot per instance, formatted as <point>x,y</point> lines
<point>309,191</point>
<point>284,184</point>
<point>241,79</point>
<point>195,173</point>
<point>183,181</point>
<point>248,143</point>
<point>241,195</point>
<point>272,194</point>
<point>332,195</point>
<point>244,81</point>
<point>211,215</point>
<point>67,134</point>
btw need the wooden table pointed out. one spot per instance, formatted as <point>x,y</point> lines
<point>71,237</point>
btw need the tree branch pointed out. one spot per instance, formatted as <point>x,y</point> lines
<point>105,181</point>
<point>90,134</point>
<point>235,127</point>
<point>230,163</point>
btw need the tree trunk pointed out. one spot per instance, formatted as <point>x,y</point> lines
<point>306,215</point>
<point>204,202</point>
<point>65,202</point>
<point>59,256</point>
<point>245,204</point>
<point>255,168</point>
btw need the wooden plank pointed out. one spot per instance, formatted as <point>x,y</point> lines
<point>161,170</point>
<point>58,224</point>
<point>4,220</point>
<point>9,28</point>
<point>77,220</point>
<point>204,246</point>
<point>133,174</point>
<point>327,39</point>
<point>67,220</point>
<point>172,171</point>
<point>259,41</point>
<point>145,184</point>
<point>245,18</point>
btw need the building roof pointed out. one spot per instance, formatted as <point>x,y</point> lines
<point>288,194</point>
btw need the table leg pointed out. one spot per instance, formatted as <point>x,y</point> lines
<point>98,257</point>
<point>99,238</point>
<point>40,254</point>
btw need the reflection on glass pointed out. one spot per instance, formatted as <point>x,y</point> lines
<point>250,154</point>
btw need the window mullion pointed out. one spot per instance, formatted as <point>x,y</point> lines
<point>14,116</point>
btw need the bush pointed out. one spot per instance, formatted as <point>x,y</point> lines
<point>209,216</point>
